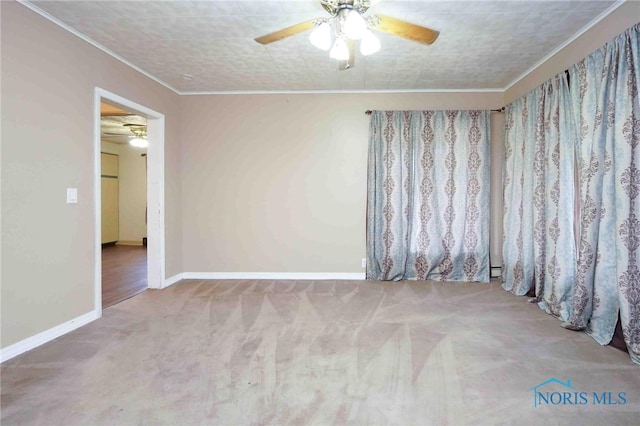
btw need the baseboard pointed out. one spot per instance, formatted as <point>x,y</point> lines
<point>172,280</point>
<point>262,276</point>
<point>46,336</point>
<point>273,276</point>
<point>129,243</point>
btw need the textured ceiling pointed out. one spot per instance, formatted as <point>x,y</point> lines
<point>115,122</point>
<point>482,45</point>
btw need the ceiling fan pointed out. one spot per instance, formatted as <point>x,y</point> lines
<point>346,25</point>
<point>139,139</point>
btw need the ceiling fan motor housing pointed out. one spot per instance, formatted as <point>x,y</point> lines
<point>335,6</point>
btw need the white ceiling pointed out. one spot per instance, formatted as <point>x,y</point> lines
<point>483,44</point>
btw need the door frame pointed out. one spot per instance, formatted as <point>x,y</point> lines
<point>155,192</point>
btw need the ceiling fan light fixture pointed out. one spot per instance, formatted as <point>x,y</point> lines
<point>139,138</point>
<point>139,142</point>
<point>340,50</point>
<point>369,43</point>
<point>321,36</point>
<point>347,24</point>
<point>354,25</point>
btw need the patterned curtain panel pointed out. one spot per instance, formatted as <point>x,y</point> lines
<point>539,181</point>
<point>605,90</point>
<point>517,246</point>
<point>428,196</point>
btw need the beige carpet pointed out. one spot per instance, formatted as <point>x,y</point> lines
<point>319,352</point>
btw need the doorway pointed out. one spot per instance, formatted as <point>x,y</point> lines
<point>123,152</point>
<point>134,261</point>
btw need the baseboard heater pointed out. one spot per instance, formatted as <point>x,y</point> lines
<point>496,271</point>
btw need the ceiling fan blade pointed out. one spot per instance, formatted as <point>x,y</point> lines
<point>349,63</point>
<point>406,30</point>
<point>286,32</point>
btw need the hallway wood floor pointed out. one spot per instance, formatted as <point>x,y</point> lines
<point>124,273</point>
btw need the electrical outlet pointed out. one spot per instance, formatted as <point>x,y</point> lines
<point>364,262</point>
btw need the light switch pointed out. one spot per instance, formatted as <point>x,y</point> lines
<point>72,195</point>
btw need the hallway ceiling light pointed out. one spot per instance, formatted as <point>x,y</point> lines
<point>139,138</point>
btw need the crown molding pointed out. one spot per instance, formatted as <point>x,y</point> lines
<point>95,44</point>
<point>337,92</point>
<point>570,40</point>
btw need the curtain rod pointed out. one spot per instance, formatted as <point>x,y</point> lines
<point>369,112</point>
<point>502,109</point>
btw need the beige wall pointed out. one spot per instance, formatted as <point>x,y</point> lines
<point>277,183</point>
<point>48,81</point>
<point>133,191</point>
<point>604,31</point>
<point>110,147</point>
<point>133,194</point>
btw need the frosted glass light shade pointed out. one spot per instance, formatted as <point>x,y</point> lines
<point>354,25</point>
<point>340,50</point>
<point>369,43</point>
<point>139,142</point>
<point>321,36</point>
